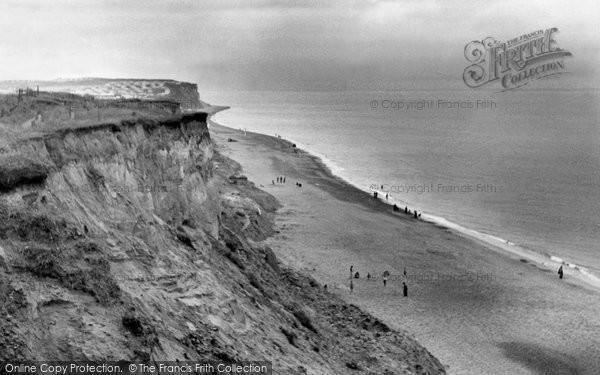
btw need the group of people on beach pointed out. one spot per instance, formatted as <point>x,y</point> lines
<point>407,211</point>
<point>396,208</point>
<point>385,275</point>
<point>281,180</point>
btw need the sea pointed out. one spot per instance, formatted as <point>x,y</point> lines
<point>518,167</point>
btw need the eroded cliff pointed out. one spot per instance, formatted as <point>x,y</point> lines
<point>128,241</point>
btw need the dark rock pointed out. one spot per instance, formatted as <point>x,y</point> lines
<point>304,320</point>
<point>291,336</point>
<point>352,365</point>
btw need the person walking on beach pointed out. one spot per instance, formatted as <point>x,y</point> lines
<point>375,194</point>
<point>351,286</point>
<point>351,268</point>
<point>386,196</point>
<point>404,289</point>
<point>560,273</point>
<point>384,281</point>
<point>284,179</point>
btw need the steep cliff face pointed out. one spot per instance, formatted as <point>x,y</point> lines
<point>122,208</point>
<point>128,242</point>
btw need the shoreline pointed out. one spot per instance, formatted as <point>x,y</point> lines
<point>469,306</point>
<point>551,262</point>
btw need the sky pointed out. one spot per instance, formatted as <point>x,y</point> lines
<point>282,45</point>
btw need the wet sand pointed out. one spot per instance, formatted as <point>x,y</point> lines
<point>478,309</point>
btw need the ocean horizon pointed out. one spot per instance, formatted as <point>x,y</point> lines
<point>517,168</point>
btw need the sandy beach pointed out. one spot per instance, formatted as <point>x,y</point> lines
<point>479,310</point>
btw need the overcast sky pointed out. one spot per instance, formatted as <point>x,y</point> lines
<point>299,45</point>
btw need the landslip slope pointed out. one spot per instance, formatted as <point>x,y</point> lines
<point>129,241</point>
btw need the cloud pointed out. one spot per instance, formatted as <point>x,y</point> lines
<point>271,44</point>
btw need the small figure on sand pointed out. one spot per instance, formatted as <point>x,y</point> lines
<point>375,194</point>
<point>386,196</point>
<point>385,277</point>
<point>384,281</point>
<point>405,210</point>
<point>560,273</point>
<point>273,182</point>
<point>351,286</point>
<point>404,289</point>
<point>351,268</point>
<point>368,275</point>
<point>284,179</point>
<point>357,275</point>
<point>396,207</point>
<point>416,214</point>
